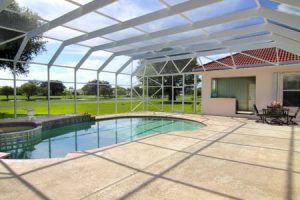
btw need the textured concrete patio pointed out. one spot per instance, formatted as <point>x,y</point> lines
<point>230,158</point>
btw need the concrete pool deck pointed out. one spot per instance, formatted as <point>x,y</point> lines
<point>229,158</point>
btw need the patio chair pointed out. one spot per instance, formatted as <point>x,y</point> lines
<point>294,116</point>
<point>259,114</point>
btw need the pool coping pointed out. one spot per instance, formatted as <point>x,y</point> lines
<point>151,116</point>
<point>75,154</point>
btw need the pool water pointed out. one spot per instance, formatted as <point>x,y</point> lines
<point>60,141</point>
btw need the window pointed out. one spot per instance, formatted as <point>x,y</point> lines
<point>241,88</point>
<point>291,90</point>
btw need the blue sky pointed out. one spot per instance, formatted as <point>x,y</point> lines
<point>122,10</point>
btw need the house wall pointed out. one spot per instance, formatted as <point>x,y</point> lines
<point>264,88</point>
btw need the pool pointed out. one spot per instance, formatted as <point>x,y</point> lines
<point>58,142</point>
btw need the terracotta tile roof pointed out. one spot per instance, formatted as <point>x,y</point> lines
<point>245,59</point>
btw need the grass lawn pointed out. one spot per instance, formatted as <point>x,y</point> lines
<point>87,104</point>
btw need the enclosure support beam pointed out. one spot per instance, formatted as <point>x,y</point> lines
<point>182,96</point>
<point>116,93</point>
<point>83,59</point>
<point>172,93</point>
<point>156,15</point>
<point>289,2</point>
<point>188,27</point>
<point>143,92</point>
<point>15,91</point>
<point>281,17</point>
<point>48,88</point>
<point>82,10</point>
<point>75,91</point>
<point>98,97</point>
<point>211,52</point>
<point>107,61</point>
<point>238,44</point>
<point>130,93</point>
<point>124,66</point>
<point>147,94</point>
<point>162,93</point>
<point>287,44</point>
<point>195,94</point>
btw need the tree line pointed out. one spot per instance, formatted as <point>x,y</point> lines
<point>57,88</point>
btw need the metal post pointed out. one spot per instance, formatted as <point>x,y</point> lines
<point>172,93</point>
<point>277,55</point>
<point>98,94</point>
<point>98,135</point>
<point>143,93</point>
<point>49,148</point>
<point>48,88</point>
<point>182,96</point>
<point>195,94</point>
<point>131,131</point>
<point>131,93</point>
<point>116,93</point>
<point>147,94</point>
<point>75,92</point>
<point>162,93</point>
<point>76,143</point>
<point>15,90</point>
<point>116,130</point>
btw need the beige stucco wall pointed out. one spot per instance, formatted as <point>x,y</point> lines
<point>264,88</point>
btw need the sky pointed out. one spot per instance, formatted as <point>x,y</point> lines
<point>121,10</point>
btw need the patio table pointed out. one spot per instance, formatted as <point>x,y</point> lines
<point>276,115</point>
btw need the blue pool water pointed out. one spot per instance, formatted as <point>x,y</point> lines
<point>60,141</point>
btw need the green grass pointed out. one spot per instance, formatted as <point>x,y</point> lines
<point>86,104</point>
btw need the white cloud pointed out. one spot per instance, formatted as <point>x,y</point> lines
<point>5,74</point>
<point>219,8</point>
<point>94,42</point>
<point>93,63</point>
<point>74,50</point>
<point>164,23</point>
<point>128,9</point>
<point>101,54</point>
<point>126,33</point>
<point>116,63</point>
<point>48,9</point>
<point>91,22</point>
<point>62,33</point>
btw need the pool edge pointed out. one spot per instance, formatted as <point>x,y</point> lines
<point>78,154</point>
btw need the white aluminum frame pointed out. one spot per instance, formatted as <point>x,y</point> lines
<point>279,37</point>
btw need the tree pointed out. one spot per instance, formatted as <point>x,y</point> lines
<point>68,92</point>
<point>121,90</point>
<point>29,89</point>
<point>56,88</point>
<point>105,89</point>
<point>26,21</point>
<point>7,90</point>
<point>91,88</point>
